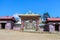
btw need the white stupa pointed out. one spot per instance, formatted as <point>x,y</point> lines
<point>19,21</point>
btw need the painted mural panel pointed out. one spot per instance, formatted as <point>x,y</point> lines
<point>51,28</point>
<point>0,26</point>
<point>8,26</point>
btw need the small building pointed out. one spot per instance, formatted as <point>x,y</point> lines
<point>7,22</point>
<point>53,24</point>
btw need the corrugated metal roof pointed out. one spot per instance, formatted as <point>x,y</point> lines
<point>53,19</point>
<point>7,17</point>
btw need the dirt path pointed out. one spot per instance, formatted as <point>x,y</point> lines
<point>16,35</point>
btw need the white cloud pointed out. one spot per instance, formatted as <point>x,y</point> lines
<point>16,15</point>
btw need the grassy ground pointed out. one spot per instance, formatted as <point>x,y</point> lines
<point>17,35</point>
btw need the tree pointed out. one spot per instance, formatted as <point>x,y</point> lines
<point>57,17</point>
<point>45,16</point>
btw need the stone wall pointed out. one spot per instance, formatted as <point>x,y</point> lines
<point>17,27</point>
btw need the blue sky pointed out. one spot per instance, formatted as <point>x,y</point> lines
<point>10,7</point>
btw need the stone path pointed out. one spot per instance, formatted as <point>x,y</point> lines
<point>17,35</point>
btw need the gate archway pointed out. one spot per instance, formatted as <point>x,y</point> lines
<point>31,18</point>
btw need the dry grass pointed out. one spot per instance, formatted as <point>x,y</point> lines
<point>16,35</point>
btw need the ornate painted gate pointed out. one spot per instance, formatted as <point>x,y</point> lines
<point>30,24</point>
